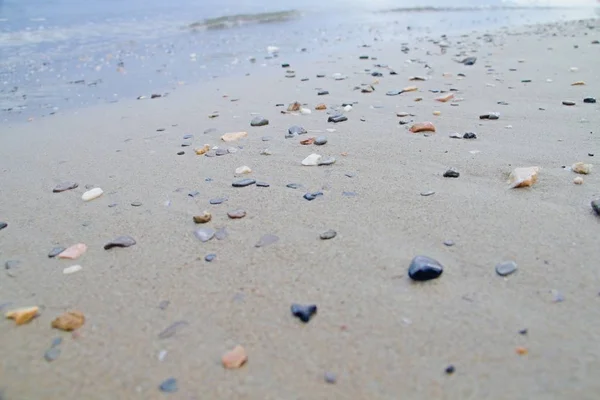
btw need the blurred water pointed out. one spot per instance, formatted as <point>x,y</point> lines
<point>56,54</point>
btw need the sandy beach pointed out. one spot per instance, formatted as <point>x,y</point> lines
<point>530,335</point>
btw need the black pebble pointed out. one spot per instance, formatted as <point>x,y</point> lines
<point>180,153</point>
<point>337,118</point>
<point>469,61</point>
<point>469,135</point>
<point>3,225</point>
<point>376,74</point>
<point>262,184</point>
<point>169,385</point>
<point>423,268</point>
<point>523,332</point>
<point>589,100</point>
<point>243,182</point>
<point>285,65</point>
<point>450,369</point>
<point>312,196</point>
<point>303,312</point>
<point>323,92</point>
<point>451,174</point>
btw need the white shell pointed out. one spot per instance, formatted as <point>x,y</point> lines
<point>92,194</point>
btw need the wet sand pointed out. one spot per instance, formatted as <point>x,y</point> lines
<point>383,336</point>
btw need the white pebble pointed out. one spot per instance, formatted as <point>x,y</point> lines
<point>330,130</point>
<point>573,69</point>
<point>311,160</point>
<point>72,269</point>
<point>348,108</point>
<point>548,80</point>
<point>578,180</point>
<point>244,169</point>
<point>92,194</point>
<point>508,127</point>
<point>162,355</point>
<point>272,49</point>
<point>305,111</point>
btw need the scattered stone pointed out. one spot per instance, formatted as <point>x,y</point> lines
<point>445,98</point>
<point>449,243</point>
<point>3,225</point>
<point>521,351</point>
<point>218,200</point>
<point>169,385</point>
<point>311,160</point>
<point>92,194</point>
<point>337,118</point>
<point>582,168</point>
<point>259,121</point>
<point>231,137</point>
<point>172,329</point>
<point>327,161</point>
<point>52,354</point>
<point>266,240</point>
<point>323,93</point>
<point>61,187</point>
<point>589,100</point>
<point>73,252</point>
<point>320,140</point>
<point>469,61</point>
<point>164,304</point>
<point>72,269</point>
<point>294,107</point>
<point>244,169</point>
<point>221,152</point>
<point>303,312</point>
<point>417,78</point>
<point>312,196</point>
<point>262,184</point>
<point>490,116</point>
<point>136,204</point>
<point>506,268</point>
<point>470,135</point>
<point>428,193</point>
<point>450,369</point>
<point>329,234</point>
<point>568,103</point>
<point>422,127</point>
<point>423,268</point>
<point>12,264</point>
<point>202,150</point>
<point>293,185</point>
<point>409,89</point>
<point>69,321</point>
<point>236,214</point>
<point>578,181</point>
<point>55,251</point>
<point>180,153</point>
<point>210,257</point>
<point>234,358</point>
<point>393,93</point>
<point>243,182</point>
<point>188,136</point>
<point>23,315</point>
<point>596,206</point>
<point>294,131</point>
<point>330,378</point>
<point>187,143</point>
<point>456,135</point>
<point>121,241</point>
<point>194,193</point>
<point>451,173</point>
<point>523,177</point>
<point>204,234</point>
<point>578,83</point>
<point>308,141</point>
<point>321,107</point>
<point>203,218</point>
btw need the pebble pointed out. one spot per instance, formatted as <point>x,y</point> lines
<point>92,194</point>
<point>259,121</point>
<point>327,161</point>
<point>202,150</point>
<point>469,135</point>
<point>244,169</point>
<point>234,358</point>
<point>73,252</point>
<point>523,177</point>
<point>236,214</point>
<point>456,135</point>
<point>422,127</point>
<point>262,184</point>
<point>450,369</point>
<point>305,111</point>
<point>323,92</point>
<point>266,138</point>
<point>210,257</point>
<point>136,204</point>
<point>349,194</point>
<point>172,329</point>
<point>311,160</point>
<point>221,152</point>
<point>321,107</point>
<point>491,116</point>
<point>303,312</point>
<point>162,355</point>
<point>596,206</point>
<point>578,181</point>
<point>188,136</point>
<point>180,153</point>
<point>451,173</point>
<point>582,168</point>
<point>204,234</point>
<point>449,243</point>
<point>329,234</point>
<point>169,385</point>
<point>218,200</point>
<point>393,93</point>
<point>330,378</point>
<point>266,240</point>
<point>52,354</point>
<point>243,182</point>
<point>307,142</point>
<point>295,130</point>
<point>164,304</point>
<point>56,342</point>
<point>445,98</point>
<point>506,268</point>
<point>72,269</point>
<point>61,187</point>
<point>231,137</point>
<point>221,234</point>
<point>568,103</point>
<point>56,251</point>
<point>11,264</point>
<point>469,61</point>
<point>187,143</point>
<point>428,193</point>
<point>3,225</point>
<point>69,321</point>
<point>423,268</point>
<point>312,196</point>
<point>337,118</point>
<point>589,100</point>
<point>121,241</point>
<point>293,185</point>
<point>23,315</point>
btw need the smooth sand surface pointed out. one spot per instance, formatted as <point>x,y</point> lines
<point>383,336</point>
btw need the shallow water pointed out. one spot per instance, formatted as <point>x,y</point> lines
<point>60,54</point>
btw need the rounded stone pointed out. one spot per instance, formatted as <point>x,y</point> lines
<point>423,268</point>
<point>451,173</point>
<point>330,378</point>
<point>210,257</point>
<point>506,268</point>
<point>595,207</point>
<point>236,214</point>
<point>329,234</point>
<point>52,354</point>
<point>136,204</point>
<point>169,385</point>
<point>259,121</point>
<point>243,182</point>
<point>320,140</point>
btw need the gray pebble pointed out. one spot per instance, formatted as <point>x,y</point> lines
<point>112,205</point>
<point>262,184</point>
<point>293,185</point>
<point>56,342</point>
<point>428,193</point>
<point>330,378</point>
<point>169,386</point>
<point>136,203</point>
<point>329,234</point>
<point>52,354</point>
<point>221,234</point>
<point>266,138</point>
<point>449,243</point>
<point>320,140</point>
<point>56,251</point>
<point>194,193</point>
<point>61,187</point>
<point>188,136</point>
<point>221,152</point>
<point>506,268</point>
<point>218,200</point>
<point>204,234</point>
<point>172,329</point>
<point>266,240</point>
<point>12,264</point>
<point>210,257</point>
<point>243,182</point>
<point>121,241</point>
<point>327,161</point>
<point>259,121</point>
<point>187,143</point>
<point>349,194</point>
<point>3,225</point>
<point>295,131</point>
<point>596,206</point>
<point>164,304</point>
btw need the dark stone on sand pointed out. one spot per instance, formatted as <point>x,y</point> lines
<point>394,93</point>
<point>204,234</point>
<point>56,251</point>
<point>427,193</point>
<point>218,200</point>
<point>303,312</point>
<point>323,92</point>
<point>506,268</point>
<point>320,140</point>
<point>295,130</point>
<point>136,204</point>
<point>285,65</point>
<point>262,184</point>
<point>393,73</point>
<point>423,268</point>
<point>327,161</point>
<point>266,138</point>
<point>210,257</point>
<point>450,369</point>
<point>293,185</point>
<point>469,61</point>
<point>523,332</point>
<point>186,144</point>
<point>376,74</point>
<point>337,118</point>
<point>180,153</point>
<point>596,206</point>
<point>320,75</point>
<point>330,378</point>
<point>169,385</point>
<point>61,187</point>
<point>363,57</point>
<point>568,103</point>
<point>188,136</point>
<point>194,193</point>
<point>312,196</point>
<point>259,121</point>
<point>469,135</point>
<point>3,225</point>
<point>525,80</point>
<point>490,116</point>
<point>52,354</point>
<point>329,234</point>
<point>589,100</point>
<point>451,173</point>
<point>266,240</point>
<point>121,241</point>
<point>449,243</point>
<point>112,205</point>
<point>243,182</point>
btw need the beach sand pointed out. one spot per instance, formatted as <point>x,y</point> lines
<point>382,335</point>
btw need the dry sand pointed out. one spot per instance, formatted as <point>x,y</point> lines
<point>383,336</point>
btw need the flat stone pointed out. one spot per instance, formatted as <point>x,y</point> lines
<point>320,140</point>
<point>330,378</point>
<point>266,138</point>
<point>169,385</point>
<point>120,241</point>
<point>337,118</point>
<point>221,152</point>
<point>568,103</point>
<point>204,234</point>
<point>262,184</point>
<point>589,100</point>
<point>244,182</point>
<point>56,251</point>
<point>303,312</point>
<point>61,187</point>
<point>136,203</point>
<point>506,268</point>
<point>349,194</point>
<point>329,234</point>
<point>180,153</point>
<point>236,214</point>
<point>451,173</point>
<point>266,240</point>
<point>423,268</point>
<point>469,61</point>
<point>311,160</point>
<point>186,143</point>
<point>218,200</point>
<point>52,354</point>
<point>92,194</point>
<point>3,225</point>
<point>188,136</point>
<point>194,193</point>
<point>73,252</point>
<point>393,93</point>
<point>12,264</point>
<point>210,257</point>
<point>323,92</point>
<point>596,206</point>
<point>491,116</point>
<point>294,131</point>
<point>259,121</point>
<point>449,243</point>
<point>293,185</point>
<point>469,135</point>
<point>427,193</point>
<point>327,161</point>
<point>312,196</point>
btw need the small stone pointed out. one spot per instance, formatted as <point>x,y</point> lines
<point>337,118</point>
<point>578,83</point>
<point>52,354</point>
<point>589,100</point>
<point>3,225</point>
<point>349,194</point>
<point>12,264</point>
<point>221,234</point>
<point>259,121</point>
<point>321,107</point>
<point>194,193</point>
<point>294,107</point>
<point>188,136</point>
<point>307,142</point>
<point>180,153</point>
<point>303,312</point>
<point>470,135</point>
<point>521,351</point>
<point>221,152</point>
<point>330,378</point>
<point>582,168</point>
<point>231,137</point>
<point>327,161</point>
<point>136,204</point>
<point>469,61</point>
<point>491,116</point>
<point>523,177</point>
<point>393,93</point>
<point>451,173</point>
<point>596,206</point>
<point>55,251</point>
<point>210,257</point>
<point>422,127</point>
<point>423,268</point>
<point>312,196</point>
<point>427,193</point>
<point>311,160</point>
<point>506,268</point>
<point>204,234</point>
<point>437,113</point>
<point>243,182</point>
<point>323,92</point>
<point>218,200</point>
<point>295,131</point>
<point>266,240</point>
<point>329,234</point>
<point>22,315</point>
<point>92,194</point>
<point>169,386</point>
<point>445,98</point>
<point>234,358</point>
<point>69,321</point>
<point>172,329</point>
<point>186,143</point>
<point>203,150</point>
<point>236,214</point>
<point>568,103</point>
<point>523,332</point>
<point>56,342</point>
<point>244,169</point>
<point>293,185</point>
<point>164,304</point>
<point>450,369</point>
<point>202,218</point>
<point>578,181</point>
<point>73,252</point>
<point>121,241</point>
<point>61,187</point>
<point>72,269</point>
<point>262,184</point>
<point>449,243</point>
<point>320,140</point>
<point>456,135</point>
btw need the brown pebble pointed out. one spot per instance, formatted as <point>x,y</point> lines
<point>521,351</point>
<point>321,107</point>
<point>204,218</point>
<point>422,127</point>
<point>236,214</point>
<point>69,321</point>
<point>235,358</point>
<point>202,150</point>
<point>308,141</point>
<point>294,106</point>
<point>23,315</point>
